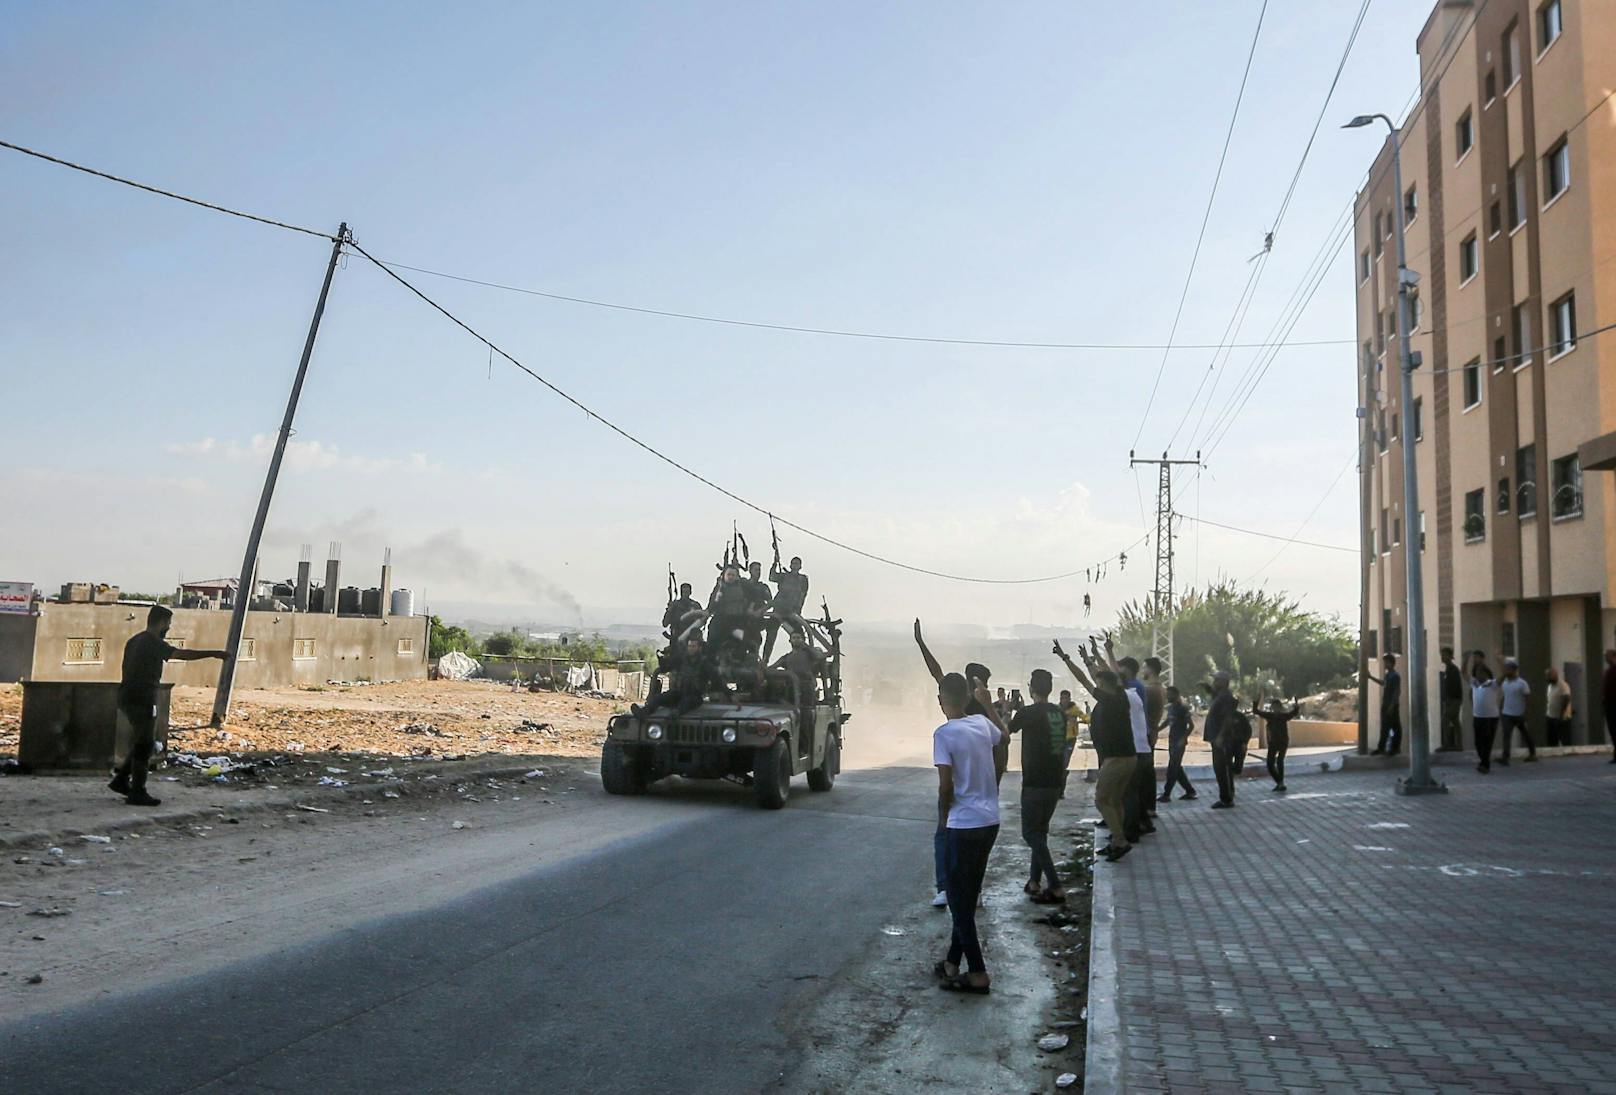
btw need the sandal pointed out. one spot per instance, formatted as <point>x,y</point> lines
<point>963,984</point>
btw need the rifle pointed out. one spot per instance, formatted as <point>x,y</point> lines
<point>775,537</point>
<point>673,585</point>
<point>746,552</point>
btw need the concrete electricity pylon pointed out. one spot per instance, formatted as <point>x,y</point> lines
<point>1162,607</point>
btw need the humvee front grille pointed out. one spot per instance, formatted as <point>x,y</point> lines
<point>695,735</point>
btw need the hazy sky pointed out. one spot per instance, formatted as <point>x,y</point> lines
<point>1029,172</point>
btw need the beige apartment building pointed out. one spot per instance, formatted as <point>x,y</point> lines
<point>1509,193</point>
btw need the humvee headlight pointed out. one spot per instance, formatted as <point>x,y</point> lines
<point>654,732</point>
<point>729,735</point>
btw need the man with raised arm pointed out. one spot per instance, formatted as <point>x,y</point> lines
<point>143,660</point>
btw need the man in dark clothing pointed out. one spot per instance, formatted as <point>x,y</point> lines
<point>1391,708</point>
<point>1111,733</point>
<point>1042,727</point>
<point>1218,731</point>
<point>1179,725</point>
<point>143,658</point>
<point>678,608</point>
<point>727,610</point>
<point>1277,724</point>
<point>1608,694</point>
<point>803,662</point>
<point>1450,687</point>
<point>791,593</point>
<point>691,680</point>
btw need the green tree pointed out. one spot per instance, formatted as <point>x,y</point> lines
<point>1264,640</point>
<point>447,637</point>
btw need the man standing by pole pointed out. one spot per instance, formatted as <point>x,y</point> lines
<point>1450,687</point>
<point>249,562</point>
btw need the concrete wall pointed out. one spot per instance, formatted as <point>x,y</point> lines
<point>345,647</point>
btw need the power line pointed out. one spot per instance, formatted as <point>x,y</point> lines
<point>1266,535</point>
<point>1310,514</point>
<point>167,193</point>
<point>833,332</point>
<point>725,491</point>
<point>1200,237</point>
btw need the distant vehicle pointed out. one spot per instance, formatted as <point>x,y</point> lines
<point>763,740</point>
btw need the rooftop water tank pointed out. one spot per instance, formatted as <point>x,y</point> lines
<point>403,603</point>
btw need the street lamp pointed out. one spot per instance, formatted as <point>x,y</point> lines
<point>1419,780</point>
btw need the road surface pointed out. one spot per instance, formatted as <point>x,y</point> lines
<point>660,943</point>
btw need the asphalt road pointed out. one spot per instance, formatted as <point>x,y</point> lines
<point>671,959</point>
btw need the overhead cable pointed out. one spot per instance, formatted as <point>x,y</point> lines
<point>1265,535</point>
<point>168,193</point>
<point>698,477</point>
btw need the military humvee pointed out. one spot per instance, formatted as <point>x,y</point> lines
<point>762,739</point>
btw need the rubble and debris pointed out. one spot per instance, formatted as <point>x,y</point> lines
<point>51,911</point>
<point>1049,1043</point>
<point>1066,1080</point>
<point>34,979</point>
<point>455,666</point>
<point>92,839</point>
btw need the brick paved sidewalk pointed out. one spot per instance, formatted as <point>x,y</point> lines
<point>1345,939</point>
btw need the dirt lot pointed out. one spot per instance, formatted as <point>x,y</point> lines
<point>412,718</point>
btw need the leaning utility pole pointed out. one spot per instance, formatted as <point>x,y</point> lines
<point>1161,636</point>
<point>249,562</point>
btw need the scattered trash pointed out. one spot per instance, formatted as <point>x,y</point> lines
<point>389,794</point>
<point>528,726</point>
<point>22,859</point>
<point>535,774</point>
<point>57,852</point>
<point>312,809</point>
<point>892,929</point>
<point>332,781</point>
<point>1084,1014</point>
<point>337,771</point>
<point>1066,1079</point>
<point>455,666</point>
<point>112,893</point>
<point>1049,1043</point>
<point>381,772</point>
<point>425,728</point>
<point>34,979</point>
<point>10,904</point>
<point>96,839</point>
<point>52,911</point>
<point>459,825</point>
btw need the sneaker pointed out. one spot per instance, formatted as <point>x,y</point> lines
<point>1221,805</point>
<point>941,900</point>
<point>119,785</point>
<point>141,798</point>
<point>1188,795</point>
<point>1115,852</point>
<point>1169,798</point>
<point>1280,789</point>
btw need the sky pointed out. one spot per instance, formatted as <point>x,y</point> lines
<point>1033,173</point>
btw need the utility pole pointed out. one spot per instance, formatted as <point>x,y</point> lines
<point>1366,536</point>
<point>249,562</point>
<point>1419,780</point>
<point>1161,636</point>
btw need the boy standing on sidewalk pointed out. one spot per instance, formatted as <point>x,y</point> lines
<point>964,751</point>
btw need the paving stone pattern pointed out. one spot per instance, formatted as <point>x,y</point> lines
<point>1347,939</point>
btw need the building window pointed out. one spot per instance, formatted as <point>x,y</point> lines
<point>1391,321</point>
<point>1507,639</point>
<point>1411,205</point>
<point>302,650</point>
<point>1380,232</point>
<point>82,652</point>
<point>1520,324</point>
<point>1567,487</point>
<point>248,651</point>
<point>1549,25</point>
<point>1472,383</point>
<point>1394,425</point>
<point>1363,267</point>
<point>1381,432</point>
<point>1557,169</point>
<point>1563,326</point>
<point>1380,332</point>
<point>1417,419</point>
<point>1475,518</point>
<point>1500,353</point>
<point>1469,258</point>
<point>1394,640</point>
<point>1503,495</point>
<point>1495,220</point>
<point>1512,56</point>
<point>1372,643</point>
<point>406,648</point>
<point>1422,530</point>
<point>1526,481</point>
<point>1517,195</point>
<point>1397,531</point>
<point>1385,526</point>
<point>1490,86</point>
<point>1464,135</point>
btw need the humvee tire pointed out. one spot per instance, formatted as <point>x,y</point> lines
<point>823,778</point>
<point>771,775</point>
<point>619,773</point>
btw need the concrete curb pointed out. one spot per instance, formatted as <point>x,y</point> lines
<point>1107,1051</point>
<point>311,796</point>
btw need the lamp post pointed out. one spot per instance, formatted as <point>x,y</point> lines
<point>1419,780</point>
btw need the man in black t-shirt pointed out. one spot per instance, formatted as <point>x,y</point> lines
<point>791,593</point>
<point>679,608</point>
<point>143,658</point>
<point>1042,727</point>
<point>1277,726</point>
<point>1450,687</point>
<point>1391,708</point>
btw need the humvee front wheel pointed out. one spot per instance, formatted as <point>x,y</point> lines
<point>620,773</point>
<point>823,778</point>
<point>771,775</point>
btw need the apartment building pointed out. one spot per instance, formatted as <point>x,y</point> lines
<point>1509,200</point>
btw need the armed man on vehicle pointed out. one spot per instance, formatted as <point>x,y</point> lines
<point>727,609</point>
<point>804,664</point>
<point>790,596</point>
<point>679,608</point>
<point>693,676</point>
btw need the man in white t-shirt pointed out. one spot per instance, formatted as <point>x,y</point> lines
<point>1514,692</point>
<point>968,771</point>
